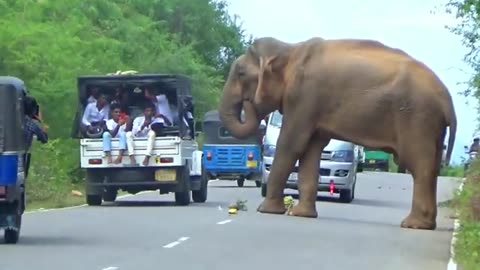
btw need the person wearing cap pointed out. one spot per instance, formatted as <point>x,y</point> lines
<point>95,117</point>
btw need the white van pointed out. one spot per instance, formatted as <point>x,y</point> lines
<point>338,166</point>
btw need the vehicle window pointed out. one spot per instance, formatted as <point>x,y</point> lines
<point>276,119</point>
<point>223,133</point>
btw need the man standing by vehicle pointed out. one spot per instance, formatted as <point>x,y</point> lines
<point>115,129</point>
<point>95,116</point>
<point>32,128</point>
<point>475,147</point>
<point>142,127</point>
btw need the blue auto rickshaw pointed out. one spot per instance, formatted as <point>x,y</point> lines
<point>12,154</point>
<point>228,158</point>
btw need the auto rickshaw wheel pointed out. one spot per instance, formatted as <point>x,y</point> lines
<point>264,190</point>
<point>183,197</point>
<point>240,181</point>
<point>11,236</point>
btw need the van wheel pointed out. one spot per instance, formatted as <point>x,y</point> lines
<point>240,181</point>
<point>264,190</point>
<point>94,200</point>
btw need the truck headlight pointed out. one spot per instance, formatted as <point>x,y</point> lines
<point>269,150</point>
<point>342,156</point>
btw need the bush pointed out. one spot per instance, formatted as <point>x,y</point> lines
<point>467,202</point>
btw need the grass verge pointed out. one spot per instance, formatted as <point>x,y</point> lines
<point>467,203</point>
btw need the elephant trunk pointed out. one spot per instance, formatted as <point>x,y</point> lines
<point>230,110</point>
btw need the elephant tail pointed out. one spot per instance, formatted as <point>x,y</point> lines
<point>452,123</point>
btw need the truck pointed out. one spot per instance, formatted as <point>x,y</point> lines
<point>376,160</point>
<point>175,164</point>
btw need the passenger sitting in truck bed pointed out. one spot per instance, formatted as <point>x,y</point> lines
<point>162,106</point>
<point>142,127</point>
<point>94,93</point>
<point>115,129</point>
<point>95,117</point>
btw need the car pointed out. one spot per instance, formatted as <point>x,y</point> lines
<point>338,165</point>
<point>175,164</point>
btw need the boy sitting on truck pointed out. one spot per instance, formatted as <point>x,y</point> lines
<point>115,129</point>
<point>142,127</point>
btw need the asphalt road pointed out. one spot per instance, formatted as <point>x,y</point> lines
<point>147,231</point>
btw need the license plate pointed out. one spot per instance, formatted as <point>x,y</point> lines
<point>166,175</point>
<point>371,161</point>
<point>251,163</point>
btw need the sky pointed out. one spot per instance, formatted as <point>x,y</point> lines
<point>417,28</point>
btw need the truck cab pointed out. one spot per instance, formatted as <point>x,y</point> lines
<point>175,163</point>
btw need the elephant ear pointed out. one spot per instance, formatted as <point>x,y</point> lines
<point>271,73</point>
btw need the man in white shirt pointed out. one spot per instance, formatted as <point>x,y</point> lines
<point>94,92</point>
<point>162,107</point>
<point>142,127</point>
<point>95,116</point>
<point>115,129</point>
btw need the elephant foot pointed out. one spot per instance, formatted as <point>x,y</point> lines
<point>412,222</point>
<point>272,206</point>
<point>300,210</point>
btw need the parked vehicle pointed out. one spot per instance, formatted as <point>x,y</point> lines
<point>376,159</point>
<point>338,165</point>
<point>175,165</point>
<point>12,150</point>
<point>228,158</point>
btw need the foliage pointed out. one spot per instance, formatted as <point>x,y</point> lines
<point>49,43</point>
<point>467,248</point>
<point>467,201</point>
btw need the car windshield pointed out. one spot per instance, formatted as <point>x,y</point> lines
<point>276,119</point>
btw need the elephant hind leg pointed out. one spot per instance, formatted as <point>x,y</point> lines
<point>424,164</point>
<point>309,165</point>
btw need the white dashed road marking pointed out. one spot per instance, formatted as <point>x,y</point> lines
<point>110,268</point>
<point>224,222</point>
<point>174,243</point>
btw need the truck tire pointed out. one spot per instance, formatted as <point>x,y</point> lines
<point>110,195</point>
<point>94,200</point>
<point>240,181</point>
<point>11,236</point>
<point>200,196</point>
<point>258,183</point>
<point>183,197</point>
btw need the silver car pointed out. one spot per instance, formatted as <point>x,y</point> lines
<point>338,166</point>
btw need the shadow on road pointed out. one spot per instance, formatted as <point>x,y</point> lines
<point>38,240</point>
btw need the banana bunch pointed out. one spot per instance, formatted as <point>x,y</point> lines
<point>233,208</point>
<point>289,203</point>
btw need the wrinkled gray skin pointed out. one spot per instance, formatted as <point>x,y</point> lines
<point>355,90</point>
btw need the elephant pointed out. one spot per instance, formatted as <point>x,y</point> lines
<point>357,90</point>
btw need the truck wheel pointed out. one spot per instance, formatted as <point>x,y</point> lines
<point>200,196</point>
<point>258,183</point>
<point>240,181</point>
<point>110,195</point>
<point>94,200</point>
<point>183,197</point>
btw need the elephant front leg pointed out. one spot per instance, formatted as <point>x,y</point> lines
<point>291,145</point>
<point>308,179</point>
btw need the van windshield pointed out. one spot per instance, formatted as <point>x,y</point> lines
<point>276,119</point>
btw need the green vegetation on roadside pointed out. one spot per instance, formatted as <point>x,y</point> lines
<point>49,43</point>
<point>467,202</point>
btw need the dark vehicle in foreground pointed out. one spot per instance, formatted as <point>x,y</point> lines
<point>12,151</point>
